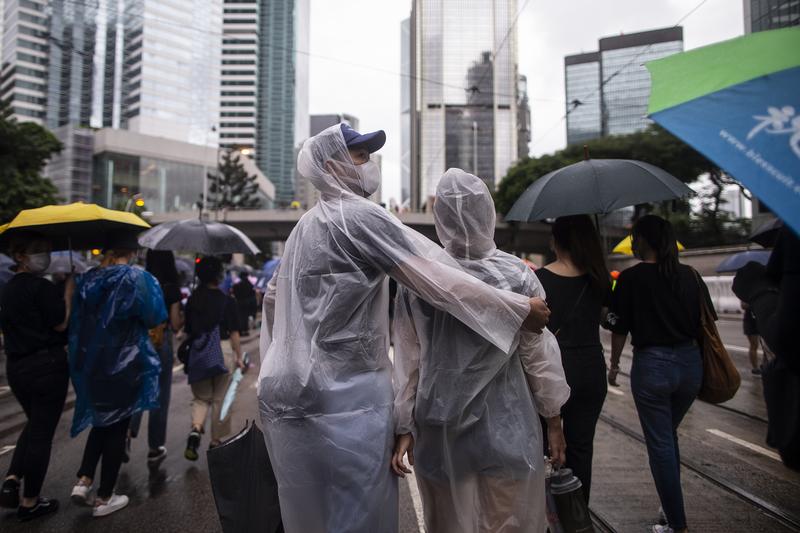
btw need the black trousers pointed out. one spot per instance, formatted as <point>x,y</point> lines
<point>586,376</point>
<point>107,443</point>
<point>39,382</point>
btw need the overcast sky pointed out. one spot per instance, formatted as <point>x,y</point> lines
<point>355,56</point>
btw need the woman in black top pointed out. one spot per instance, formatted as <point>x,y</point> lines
<point>161,264</point>
<point>34,317</point>
<point>209,308</point>
<point>658,302</point>
<point>577,285</point>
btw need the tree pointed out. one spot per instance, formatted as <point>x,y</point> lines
<point>25,148</point>
<point>231,187</point>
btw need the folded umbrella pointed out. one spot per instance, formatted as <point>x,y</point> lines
<point>198,236</point>
<point>75,226</point>
<point>244,485</point>
<point>596,186</point>
<point>737,261</point>
<point>230,394</point>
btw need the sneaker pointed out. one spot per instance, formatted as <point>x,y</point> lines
<point>82,494</point>
<point>126,455</point>
<point>662,517</point>
<point>192,443</point>
<point>9,494</point>
<point>43,507</point>
<point>112,505</point>
<point>658,528</point>
<point>154,456</point>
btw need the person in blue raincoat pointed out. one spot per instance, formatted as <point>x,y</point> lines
<point>113,365</point>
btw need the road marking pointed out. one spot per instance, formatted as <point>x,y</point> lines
<point>5,449</point>
<point>744,443</point>
<point>615,390</point>
<point>176,369</point>
<point>4,389</point>
<point>417,500</point>
<point>736,348</point>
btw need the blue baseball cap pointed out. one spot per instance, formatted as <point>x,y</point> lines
<point>372,142</point>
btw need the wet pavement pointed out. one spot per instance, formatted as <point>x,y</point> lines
<point>732,480</point>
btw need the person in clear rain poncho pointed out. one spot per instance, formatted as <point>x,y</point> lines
<point>464,410</point>
<point>325,387</point>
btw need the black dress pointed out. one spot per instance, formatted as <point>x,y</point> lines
<point>575,319</point>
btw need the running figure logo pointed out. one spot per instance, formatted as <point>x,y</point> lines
<point>779,121</point>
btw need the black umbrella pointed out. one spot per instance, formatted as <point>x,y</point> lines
<point>596,186</point>
<point>207,238</point>
<point>767,233</point>
<point>244,485</point>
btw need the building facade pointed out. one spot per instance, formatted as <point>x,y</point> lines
<point>405,112</point>
<point>761,15</point>
<point>237,123</point>
<point>607,91</point>
<point>463,95</point>
<point>71,169</point>
<point>282,91</point>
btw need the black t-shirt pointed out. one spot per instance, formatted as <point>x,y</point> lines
<point>581,329</point>
<point>30,309</point>
<point>654,311</point>
<point>207,308</point>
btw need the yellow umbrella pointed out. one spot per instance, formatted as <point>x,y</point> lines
<point>625,246</point>
<point>75,226</point>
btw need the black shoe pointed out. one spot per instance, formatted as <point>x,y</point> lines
<point>126,455</point>
<point>154,456</point>
<point>43,507</point>
<point>9,494</point>
<point>192,443</point>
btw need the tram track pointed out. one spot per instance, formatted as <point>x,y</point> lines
<point>782,516</point>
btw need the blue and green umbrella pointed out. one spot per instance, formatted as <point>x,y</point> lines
<point>738,103</point>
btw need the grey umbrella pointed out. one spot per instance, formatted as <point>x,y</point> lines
<point>198,236</point>
<point>596,186</point>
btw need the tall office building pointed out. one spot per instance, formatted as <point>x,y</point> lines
<point>464,87</point>
<point>237,126</point>
<point>607,91</point>
<point>523,118</point>
<point>282,91</point>
<point>405,111</point>
<point>760,15</point>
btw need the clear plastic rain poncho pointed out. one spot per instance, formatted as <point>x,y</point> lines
<point>325,387</point>
<point>113,364</point>
<point>478,439</point>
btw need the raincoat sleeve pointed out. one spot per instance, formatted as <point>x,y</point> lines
<point>423,267</point>
<point>541,360</point>
<point>268,314</point>
<point>406,364</point>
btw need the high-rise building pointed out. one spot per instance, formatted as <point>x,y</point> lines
<point>237,126</point>
<point>71,169</point>
<point>282,91</point>
<point>760,15</point>
<point>464,91</point>
<point>607,92</point>
<point>405,111</point>
<point>523,118</point>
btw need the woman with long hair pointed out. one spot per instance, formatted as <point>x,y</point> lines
<point>580,279</point>
<point>658,302</point>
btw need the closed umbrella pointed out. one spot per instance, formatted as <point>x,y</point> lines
<point>198,236</point>
<point>737,261</point>
<point>737,102</point>
<point>75,226</point>
<point>595,186</point>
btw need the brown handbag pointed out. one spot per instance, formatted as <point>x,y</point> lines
<point>721,379</point>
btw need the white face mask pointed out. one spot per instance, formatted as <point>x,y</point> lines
<point>371,174</point>
<point>362,179</point>
<point>38,263</point>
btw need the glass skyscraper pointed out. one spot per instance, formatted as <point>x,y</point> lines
<point>464,91</point>
<point>761,15</point>
<point>607,91</point>
<point>282,91</point>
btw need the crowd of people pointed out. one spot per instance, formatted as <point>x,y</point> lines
<point>495,369</point>
<point>112,331</point>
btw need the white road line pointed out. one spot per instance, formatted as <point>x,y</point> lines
<point>744,443</point>
<point>417,500</point>
<point>5,449</point>
<point>736,348</point>
<point>615,390</point>
<point>176,369</point>
<point>4,389</point>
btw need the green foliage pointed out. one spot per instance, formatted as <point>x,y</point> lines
<point>25,148</point>
<point>697,231</point>
<point>232,187</point>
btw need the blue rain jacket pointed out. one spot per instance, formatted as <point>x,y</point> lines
<point>113,364</point>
